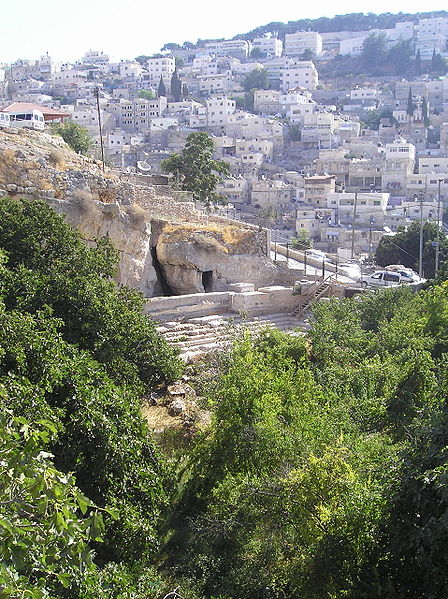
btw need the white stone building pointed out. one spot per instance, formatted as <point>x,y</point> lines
<point>271,46</point>
<point>160,67</point>
<point>297,43</point>
<point>299,74</point>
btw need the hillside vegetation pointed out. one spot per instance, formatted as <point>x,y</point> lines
<point>322,475</point>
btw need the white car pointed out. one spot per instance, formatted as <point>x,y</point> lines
<point>382,278</point>
<point>407,274</point>
<point>317,255</point>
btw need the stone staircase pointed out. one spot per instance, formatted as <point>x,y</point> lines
<point>195,337</point>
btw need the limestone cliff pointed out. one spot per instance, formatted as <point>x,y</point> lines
<point>165,246</point>
<point>208,258</point>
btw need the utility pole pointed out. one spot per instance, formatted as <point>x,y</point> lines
<point>371,221</point>
<point>439,182</point>
<point>353,224</point>
<point>96,93</point>
<point>420,266</point>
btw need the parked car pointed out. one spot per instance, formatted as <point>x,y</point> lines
<point>382,278</point>
<point>317,255</point>
<point>407,274</point>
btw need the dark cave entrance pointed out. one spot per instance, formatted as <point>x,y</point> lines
<point>207,280</point>
<point>163,283</point>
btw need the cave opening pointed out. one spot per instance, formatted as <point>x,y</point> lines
<point>207,280</point>
<point>164,286</point>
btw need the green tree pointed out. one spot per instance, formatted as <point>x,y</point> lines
<point>77,137</point>
<point>52,266</point>
<point>434,61</point>
<point>403,248</point>
<point>161,90</point>
<point>400,56</point>
<point>374,50</point>
<point>170,47</point>
<point>308,55</point>
<point>46,523</point>
<point>301,241</point>
<point>146,94</point>
<point>410,107</point>
<point>256,79</point>
<point>257,53</point>
<point>176,86</point>
<point>142,59</point>
<point>179,62</point>
<point>196,170</point>
<point>418,63</point>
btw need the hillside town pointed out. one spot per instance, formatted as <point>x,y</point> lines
<point>335,160</point>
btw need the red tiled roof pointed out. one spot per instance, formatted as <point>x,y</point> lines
<point>49,113</point>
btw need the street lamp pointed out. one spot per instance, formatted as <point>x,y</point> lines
<point>439,182</point>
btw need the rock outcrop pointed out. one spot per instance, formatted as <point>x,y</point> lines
<point>165,246</point>
<point>195,259</point>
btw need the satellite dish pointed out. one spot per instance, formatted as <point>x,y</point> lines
<point>143,166</point>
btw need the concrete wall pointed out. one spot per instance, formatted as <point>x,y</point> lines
<point>265,300</point>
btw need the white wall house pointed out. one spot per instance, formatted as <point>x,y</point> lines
<point>299,74</point>
<point>160,67</point>
<point>297,43</point>
<point>271,46</point>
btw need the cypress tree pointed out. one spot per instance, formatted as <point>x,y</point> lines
<point>434,60</point>
<point>418,63</point>
<point>161,90</point>
<point>425,117</point>
<point>176,86</point>
<point>411,106</point>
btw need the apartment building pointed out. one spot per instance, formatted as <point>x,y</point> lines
<point>299,74</point>
<point>444,137</point>
<point>365,173</point>
<point>69,78</point>
<point>317,188</point>
<point>262,146</point>
<point>319,130</point>
<point>234,189</point>
<point>218,112</point>
<point>298,43</point>
<point>432,36</point>
<point>271,194</point>
<point>136,115</point>
<point>214,84</point>
<point>267,101</point>
<point>159,67</point>
<point>433,164</point>
<point>95,57</point>
<point>234,48</point>
<point>368,206</point>
<point>271,46</point>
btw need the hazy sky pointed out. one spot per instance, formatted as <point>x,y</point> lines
<point>127,28</point>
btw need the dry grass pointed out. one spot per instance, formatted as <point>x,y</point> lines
<point>83,199</point>
<point>107,196</point>
<point>56,158</point>
<point>227,239</point>
<point>137,214</point>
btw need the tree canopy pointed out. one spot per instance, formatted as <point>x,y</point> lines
<point>77,137</point>
<point>195,169</point>
<point>404,248</point>
<point>256,79</point>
